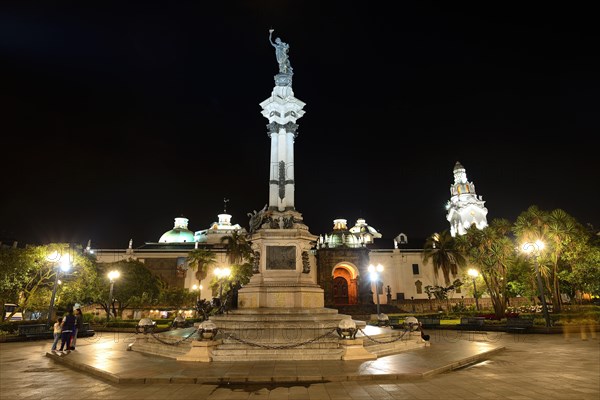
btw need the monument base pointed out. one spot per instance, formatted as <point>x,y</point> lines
<point>278,334</point>
<point>276,293</point>
<point>354,350</point>
<point>201,351</point>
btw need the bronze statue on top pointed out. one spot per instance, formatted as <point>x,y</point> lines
<point>281,53</point>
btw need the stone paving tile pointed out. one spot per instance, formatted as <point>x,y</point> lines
<point>532,366</point>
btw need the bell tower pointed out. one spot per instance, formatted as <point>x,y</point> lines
<point>464,208</point>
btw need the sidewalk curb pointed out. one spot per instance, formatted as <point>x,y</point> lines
<point>72,362</point>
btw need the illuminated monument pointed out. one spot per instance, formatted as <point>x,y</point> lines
<point>281,313</point>
<point>465,208</point>
<point>285,272</point>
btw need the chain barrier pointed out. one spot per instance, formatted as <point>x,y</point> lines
<point>155,336</point>
<point>384,341</point>
<point>230,335</point>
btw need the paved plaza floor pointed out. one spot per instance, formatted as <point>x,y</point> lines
<point>457,365</point>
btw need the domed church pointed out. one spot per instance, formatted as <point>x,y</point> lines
<point>179,234</point>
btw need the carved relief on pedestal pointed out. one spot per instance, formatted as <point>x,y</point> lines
<point>281,258</point>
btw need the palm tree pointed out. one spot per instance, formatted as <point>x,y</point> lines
<point>491,250</point>
<point>557,230</point>
<point>240,255</point>
<point>531,226</point>
<point>200,260</point>
<point>441,249</point>
<point>561,228</point>
<point>237,247</point>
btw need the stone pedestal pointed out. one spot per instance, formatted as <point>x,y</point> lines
<point>279,334</point>
<point>281,314</point>
<point>201,351</point>
<point>285,275</point>
<point>355,350</point>
<point>280,295</point>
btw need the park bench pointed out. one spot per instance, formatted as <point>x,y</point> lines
<point>86,331</point>
<point>472,322</point>
<point>518,324</point>
<point>35,331</point>
<point>430,322</point>
<point>396,322</point>
<point>44,331</point>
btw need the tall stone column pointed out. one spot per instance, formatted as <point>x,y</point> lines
<point>282,110</point>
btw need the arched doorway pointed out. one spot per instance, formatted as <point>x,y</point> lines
<point>345,290</point>
<point>340,290</point>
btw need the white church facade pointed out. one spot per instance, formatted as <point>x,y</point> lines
<point>342,256</point>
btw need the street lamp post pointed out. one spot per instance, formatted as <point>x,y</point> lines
<point>374,272</point>
<point>112,276</point>
<point>474,274</point>
<point>535,249</point>
<point>64,264</point>
<point>198,290</point>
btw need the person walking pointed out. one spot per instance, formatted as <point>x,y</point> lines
<point>67,329</point>
<point>78,327</point>
<point>57,332</point>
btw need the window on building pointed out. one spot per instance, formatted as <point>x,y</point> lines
<point>419,287</point>
<point>399,296</point>
<point>415,269</point>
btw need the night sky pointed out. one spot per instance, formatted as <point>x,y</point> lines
<point>117,117</point>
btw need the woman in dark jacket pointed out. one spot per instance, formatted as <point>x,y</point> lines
<point>67,330</point>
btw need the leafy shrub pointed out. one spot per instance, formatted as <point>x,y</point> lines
<point>10,327</point>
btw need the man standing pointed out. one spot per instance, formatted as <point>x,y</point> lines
<point>78,327</point>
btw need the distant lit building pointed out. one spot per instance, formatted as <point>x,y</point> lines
<point>342,259</point>
<point>167,258</point>
<point>179,234</point>
<point>342,255</point>
<point>465,208</point>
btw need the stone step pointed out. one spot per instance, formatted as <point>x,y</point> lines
<point>393,348</point>
<point>153,346</point>
<point>284,354</point>
<point>313,346</point>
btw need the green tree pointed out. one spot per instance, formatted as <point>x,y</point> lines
<point>177,298</point>
<point>240,256</point>
<point>563,238</point>
<point>521,279</point>
<point>28,275</point>
<point>16,268</point>
<point>201,260</point>
<point>135,283</point>
<point>584,276</point>
<point>562,229</point>
<point>491,250</point>
<point>441,250</point>
<point>237,247</point>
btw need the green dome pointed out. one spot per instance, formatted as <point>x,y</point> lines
<point>177,235</point>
